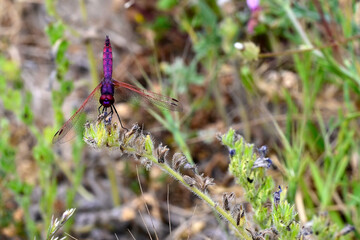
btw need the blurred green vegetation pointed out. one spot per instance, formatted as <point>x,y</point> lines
<point>317,144</point>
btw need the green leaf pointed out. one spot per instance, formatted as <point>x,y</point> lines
<point>55,31</point>
<point>166,4</point>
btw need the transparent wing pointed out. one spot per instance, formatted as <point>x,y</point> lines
<point>77,121</point>
<point>126,91</point>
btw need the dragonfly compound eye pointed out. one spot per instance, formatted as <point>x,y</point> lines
<point>107,100</point>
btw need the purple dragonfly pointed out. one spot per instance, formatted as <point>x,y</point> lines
<point>105,93</point>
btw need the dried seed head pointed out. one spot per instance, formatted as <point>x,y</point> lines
<point>203,182</point>
<point>178,161</point>
<point>226,203</point>
<point>132,131</point>
<point>161,152</point>
<point>236,210</point>
<point>56,224</point>
<point>238,213</point>
<point>227,199</point>
<point>238,218</point>
<point>139,144</point>
<point>146,162</point>
<point>191,167</point>
<point>255,235</point>
<point>208,182</point>
<point>346,230</point>
<point>190,181</point>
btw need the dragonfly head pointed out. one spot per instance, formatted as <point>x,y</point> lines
<point>107,100</point>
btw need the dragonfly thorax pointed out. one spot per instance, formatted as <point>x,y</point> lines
<point>106,100</point>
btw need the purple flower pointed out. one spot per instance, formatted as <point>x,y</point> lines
<point>253,4</point>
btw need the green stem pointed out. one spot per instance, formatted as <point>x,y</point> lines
<point>92,63</point>
<point>114,188</point>
<point>83,10</point>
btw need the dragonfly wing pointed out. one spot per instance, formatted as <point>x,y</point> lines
<point>128,90</point>
<point>77,121</point>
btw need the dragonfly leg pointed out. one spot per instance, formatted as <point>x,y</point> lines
<point>99,109</point>
<point>113,107</point>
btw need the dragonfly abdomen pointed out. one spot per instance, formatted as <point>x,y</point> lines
<point>107,59</point>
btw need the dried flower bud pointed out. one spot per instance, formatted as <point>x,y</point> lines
<point>227,198</point>
<point>226,202</point>
<point>56,224</point>
<point>346,230</point>
<point>192,167</point>
<point>204,182</point>
<point>146,162</point>
<point>161,152</point>
<point>132,131</point>
<point>238,213</point>
<point>139,144</point>
<point>189,181</point>
<point>255,235</point>
<point>178,161</point>
<point>235,210</point>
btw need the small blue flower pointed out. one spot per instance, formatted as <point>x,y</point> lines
<point>268,160</point>
<point>277,196</point>
<point>262,161</point>
<point>232,152</point>
<point>263,151</point>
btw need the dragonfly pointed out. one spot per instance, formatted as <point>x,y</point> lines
<point>105,92</point>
